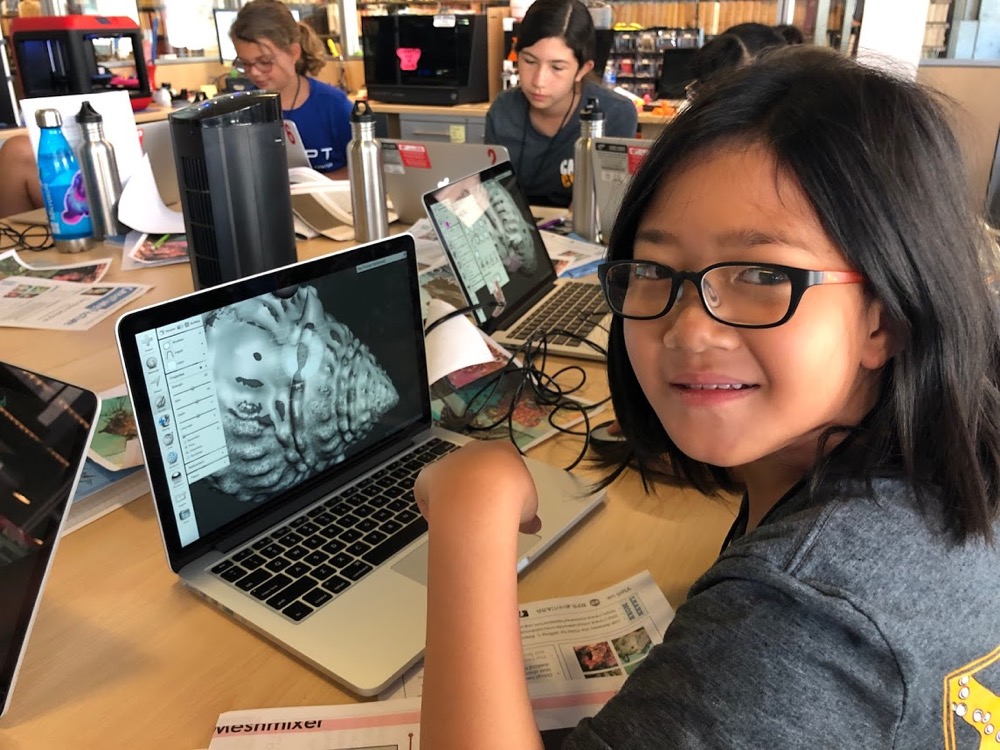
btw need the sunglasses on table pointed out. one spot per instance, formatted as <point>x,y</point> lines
<point>739,294</point>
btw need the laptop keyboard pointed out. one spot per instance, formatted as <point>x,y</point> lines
<point>576,308</point>
<point>319,554</point>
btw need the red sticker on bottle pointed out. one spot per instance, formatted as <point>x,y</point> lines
<point>635,156</point>
<point>414,155</point>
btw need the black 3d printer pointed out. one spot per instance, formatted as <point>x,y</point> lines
<point>58,55</point>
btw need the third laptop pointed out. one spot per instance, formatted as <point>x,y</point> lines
<point>499,258</point>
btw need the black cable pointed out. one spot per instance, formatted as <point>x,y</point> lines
<point>544,388</point>
<point>491,305</point>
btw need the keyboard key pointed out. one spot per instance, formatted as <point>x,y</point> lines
<point>323,519</point>
<point>296,522</point>
<point>322,572</point>
<point>382,515</point>
<point>366,525</point>
<point>398,505</point>
<point>391,527</point>
<point>358,549</point>
<point>253,562</point>
<point>290,593</point>
<point>406,516</point>
<point>280,531</point>
<point>272,550</point>
<point>317,597</point>
<point>374,537</point>
<point>290,539</point>
<point>261,543</point>
<point>222,567</point>
<point>296,553</point>
<point>341,560</point>
<point>242,555</point>
<point>336,584</point>
<point>233,574</point>
<point>278,563</point>
<point>364,510</point>
<point>346,521</point>
<point>248,582</point>
<point>394,544</point>
<point>297,611</point>
<point>356,570</point>
<point>316,558</point>
<point>313,542</point>
<point>271,587</point>
<point>297,570</point>
<point>333,547</point>
<point>351,535</point>
<point>307,529</point>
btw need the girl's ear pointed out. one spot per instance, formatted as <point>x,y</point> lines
<point>881,344</point>
<point>584,69</point>
<point>295,50</point>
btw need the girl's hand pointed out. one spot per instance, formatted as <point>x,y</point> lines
<point>482,471</point>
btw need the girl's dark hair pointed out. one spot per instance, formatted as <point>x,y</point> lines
<point>791,34</point>
<point>757,37</point>
<point>884,173</point>
<point>720,54</point>
<point>568,20</point>
<point>273,21</point>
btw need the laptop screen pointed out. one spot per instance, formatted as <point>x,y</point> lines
<point>45,427</point>
<point>256,393</point>
<point>490,237</point>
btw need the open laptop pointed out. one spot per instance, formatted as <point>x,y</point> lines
<point>615,161</point>
<point>158,143</point>
<point>412,168</point>
<point>45,428</point>
<point>282,419</point>
<point>499,258</point>
<point>295,149</point>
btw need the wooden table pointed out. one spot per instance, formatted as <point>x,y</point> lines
<point>122,656</point>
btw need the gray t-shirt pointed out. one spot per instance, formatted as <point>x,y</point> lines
<point>843,621</point>
<point>543,164</point>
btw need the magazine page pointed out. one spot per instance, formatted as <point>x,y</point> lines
<point>573,640</point>
<point>31,302</point>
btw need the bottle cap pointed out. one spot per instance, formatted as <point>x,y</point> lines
<point>88,115</point>
<point>48,118</point>
<point>592,111</point>
<point>362,112</point>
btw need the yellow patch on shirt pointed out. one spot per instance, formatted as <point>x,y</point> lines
<point>972,702</point>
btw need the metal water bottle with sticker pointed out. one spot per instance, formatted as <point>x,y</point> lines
<point>585,219</point>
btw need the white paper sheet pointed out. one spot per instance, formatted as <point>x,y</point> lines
<point>454,344</point>
<point>141,207</point>
<point>119,124</point>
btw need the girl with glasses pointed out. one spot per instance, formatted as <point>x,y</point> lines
<point>539,122</point>
<point>281,54</point>
<point>802,315</point>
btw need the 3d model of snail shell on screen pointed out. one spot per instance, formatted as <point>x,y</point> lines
<point>296,388</point>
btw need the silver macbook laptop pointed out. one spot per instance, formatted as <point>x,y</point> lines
<point>45,428</point>
<point>499,258</point>
<point>157,142</point>
<point>283,418</point>
<point>412,168</point>
<point>615,161</point>
<point>295,149</point>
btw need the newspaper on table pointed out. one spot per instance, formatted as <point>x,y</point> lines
<point>68,297</point>
<point>577,650</point>
<point>572,640</point>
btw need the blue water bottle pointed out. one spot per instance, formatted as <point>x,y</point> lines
<point>63,188</point>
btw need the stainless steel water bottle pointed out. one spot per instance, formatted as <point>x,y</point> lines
<point>100,174</point>
<point>364,166</point>
<point>585,218</point>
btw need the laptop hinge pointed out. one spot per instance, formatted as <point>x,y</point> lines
<point>286,510</point>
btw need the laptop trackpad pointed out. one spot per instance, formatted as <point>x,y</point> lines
<point>414,565</point>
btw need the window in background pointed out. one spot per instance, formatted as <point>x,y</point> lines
<point>110,8</point>
<point>190,27</point>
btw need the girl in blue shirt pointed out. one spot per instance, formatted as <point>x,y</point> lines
<point>280,54</point>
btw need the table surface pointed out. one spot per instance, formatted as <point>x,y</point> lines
<point>122,655</point>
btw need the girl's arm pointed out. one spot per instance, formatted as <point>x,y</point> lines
<point>474,692</point>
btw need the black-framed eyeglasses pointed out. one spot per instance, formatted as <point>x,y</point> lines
<point>264,65</point>
<point>32,237</point>
<point>740,294</point>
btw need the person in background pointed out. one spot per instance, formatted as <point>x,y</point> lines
<point>808,323</point>
<point>280,54</point>
<point>733,48</point>
<point>792,34</point>
<point>20,187</point>
<point>539,121</point>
